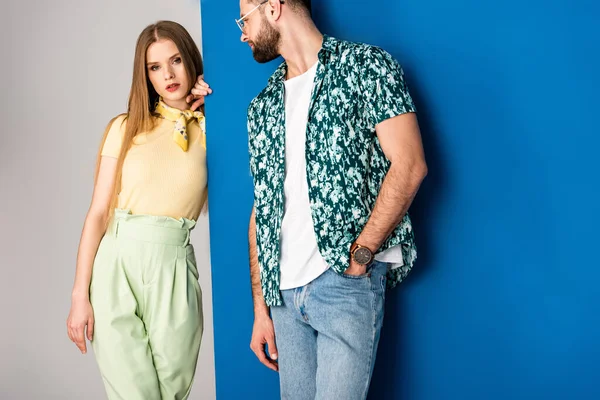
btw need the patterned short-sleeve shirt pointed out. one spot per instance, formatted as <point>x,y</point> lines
<point>356,87</point>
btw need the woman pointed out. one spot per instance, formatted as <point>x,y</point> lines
<point>136,284</point>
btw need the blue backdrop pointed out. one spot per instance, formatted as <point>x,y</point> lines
<point>503,302</point>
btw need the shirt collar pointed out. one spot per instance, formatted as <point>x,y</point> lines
<point>330,45</point>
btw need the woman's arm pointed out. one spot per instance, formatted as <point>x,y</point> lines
<point>81,314</point>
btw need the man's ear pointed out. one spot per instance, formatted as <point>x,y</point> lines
<point>274,9</point>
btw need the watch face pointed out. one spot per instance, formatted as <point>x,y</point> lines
<point>362,256</point>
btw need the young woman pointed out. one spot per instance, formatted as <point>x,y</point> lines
<point>136,284</point>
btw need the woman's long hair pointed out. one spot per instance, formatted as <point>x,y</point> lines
<point>143,97</point>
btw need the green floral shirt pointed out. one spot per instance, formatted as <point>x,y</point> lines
<point>356,87</point>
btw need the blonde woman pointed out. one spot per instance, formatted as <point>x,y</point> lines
<point>136,295</point>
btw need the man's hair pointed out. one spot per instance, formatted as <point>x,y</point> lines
<point>296,5</point>
<point>299,4</point>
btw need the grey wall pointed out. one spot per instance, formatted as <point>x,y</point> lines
<point>65,71</point>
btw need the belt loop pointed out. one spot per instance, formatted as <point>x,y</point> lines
<point>117,222</point>
<point>187,238</point>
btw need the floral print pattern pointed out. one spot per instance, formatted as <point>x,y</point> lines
<point>356,87</point>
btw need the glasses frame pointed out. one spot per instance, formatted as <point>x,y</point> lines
<point>240,22</point>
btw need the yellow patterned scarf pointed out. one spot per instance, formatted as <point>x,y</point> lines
<point>181,119</point>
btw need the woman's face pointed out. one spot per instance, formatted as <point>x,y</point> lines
<point>167,73</point>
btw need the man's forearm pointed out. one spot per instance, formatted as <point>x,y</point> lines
<point>395,197</point>
<point>260,307</point>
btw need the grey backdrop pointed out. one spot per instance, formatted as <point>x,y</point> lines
<point>65,71</point>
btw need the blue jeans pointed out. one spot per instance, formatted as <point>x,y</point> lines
<point>327,334</point>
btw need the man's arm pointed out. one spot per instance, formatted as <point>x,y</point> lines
<point>263,331</point>
<point>400,140</point>
<point>260,307</point>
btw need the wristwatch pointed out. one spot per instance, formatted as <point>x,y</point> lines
<point>362,255</point>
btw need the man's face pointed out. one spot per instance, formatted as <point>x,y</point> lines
<point>262,38</point>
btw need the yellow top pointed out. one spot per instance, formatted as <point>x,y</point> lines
<point>158,177</point>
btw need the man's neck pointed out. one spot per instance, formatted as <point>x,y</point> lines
<point>300,47</point>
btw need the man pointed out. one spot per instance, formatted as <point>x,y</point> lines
<point>336,157</point>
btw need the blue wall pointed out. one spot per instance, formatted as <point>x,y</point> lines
<point>504,300</point>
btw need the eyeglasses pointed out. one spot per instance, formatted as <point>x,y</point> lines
<point>241,23</point>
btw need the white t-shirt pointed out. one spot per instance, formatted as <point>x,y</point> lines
<point>300,260</point>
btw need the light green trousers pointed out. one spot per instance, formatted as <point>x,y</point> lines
<point>147,308</point>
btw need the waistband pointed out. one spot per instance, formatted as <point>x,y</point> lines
<point>151,228</point>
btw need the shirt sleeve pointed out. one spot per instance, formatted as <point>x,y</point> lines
<point>386,93</point>
<point>114,138</point>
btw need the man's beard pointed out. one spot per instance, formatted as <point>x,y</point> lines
<point>266,46</point>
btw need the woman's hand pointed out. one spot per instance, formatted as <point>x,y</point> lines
<point>197,94</point>
<point>80,317</point>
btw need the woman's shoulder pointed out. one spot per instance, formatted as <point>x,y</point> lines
<point>113,136</point>
<point>116,126</point>
<point>119,121</point>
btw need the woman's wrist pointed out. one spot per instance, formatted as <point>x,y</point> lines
<point>79,294</point>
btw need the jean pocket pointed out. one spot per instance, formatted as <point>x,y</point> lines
<point>361,276</point>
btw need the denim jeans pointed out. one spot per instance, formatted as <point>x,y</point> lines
<point>327,334</point>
